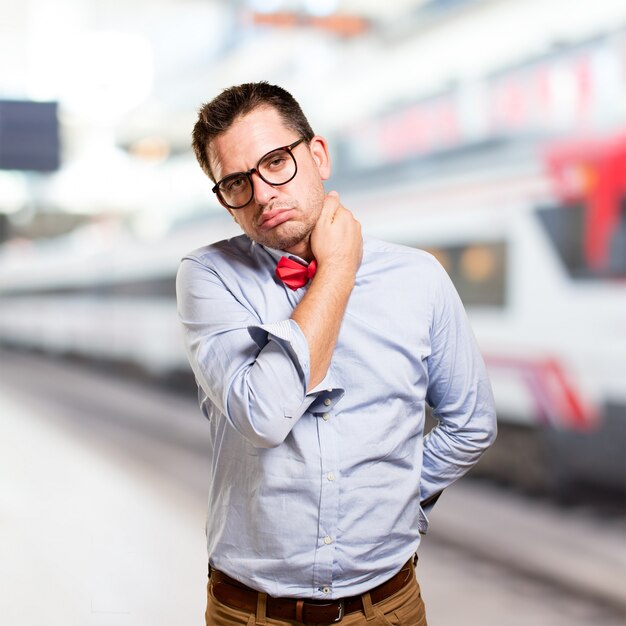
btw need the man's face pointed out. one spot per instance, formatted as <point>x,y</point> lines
<point>282,216</point>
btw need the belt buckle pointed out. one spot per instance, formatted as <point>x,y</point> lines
<point>342,610</point>
<point>339,603</point>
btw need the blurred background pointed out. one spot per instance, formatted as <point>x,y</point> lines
<point>489,132</point>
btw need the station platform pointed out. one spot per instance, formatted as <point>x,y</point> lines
<point>87,538</point>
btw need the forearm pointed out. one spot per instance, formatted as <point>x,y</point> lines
<point>337,245</point>
<point>450,451</point>
<point>319,315</point>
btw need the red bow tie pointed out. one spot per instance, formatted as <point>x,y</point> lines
<point>294,274</point>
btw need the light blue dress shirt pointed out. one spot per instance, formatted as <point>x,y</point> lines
<point>317,495</point>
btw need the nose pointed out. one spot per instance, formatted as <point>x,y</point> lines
<point>263,192</point>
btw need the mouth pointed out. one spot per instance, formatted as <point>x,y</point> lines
<point>275,217</point>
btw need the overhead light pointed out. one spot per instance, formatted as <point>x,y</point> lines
<point>265,6</point>
<point>321,8</point>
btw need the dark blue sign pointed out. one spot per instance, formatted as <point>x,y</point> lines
<point>29,136</point>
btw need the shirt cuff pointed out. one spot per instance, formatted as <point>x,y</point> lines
<point>422,521</point>
<point>289,336</point>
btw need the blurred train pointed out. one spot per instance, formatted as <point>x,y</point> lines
<point>534,239</point>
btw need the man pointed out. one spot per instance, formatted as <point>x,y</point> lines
<point>316,387</point>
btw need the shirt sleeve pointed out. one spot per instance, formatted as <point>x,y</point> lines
<point>255,374</point>
<point>459,394</point>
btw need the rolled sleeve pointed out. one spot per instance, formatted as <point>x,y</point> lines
<point>288,335</point>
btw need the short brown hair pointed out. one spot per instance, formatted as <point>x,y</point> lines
<point>218,115</point>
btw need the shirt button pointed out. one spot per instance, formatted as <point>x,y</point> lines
<point>325,589</point>
<point>327,540</point>
<point>330,476</point>
<point>326,417</point>
<point>327,401</point>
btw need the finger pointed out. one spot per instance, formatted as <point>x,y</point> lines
<point>332,197</point>
<point>331,204</point>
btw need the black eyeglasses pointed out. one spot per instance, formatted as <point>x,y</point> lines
<point>276,168</point>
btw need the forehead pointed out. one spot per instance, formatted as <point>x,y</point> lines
<point>247,140</point>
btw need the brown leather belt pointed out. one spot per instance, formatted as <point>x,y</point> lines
<point>236,595</point>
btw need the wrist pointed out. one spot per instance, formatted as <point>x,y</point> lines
<point>336,273</point>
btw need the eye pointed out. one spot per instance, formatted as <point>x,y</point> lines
<point>234,184</point>
<point>275,161</point>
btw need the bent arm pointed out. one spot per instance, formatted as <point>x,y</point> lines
<point>459,394</point>
<point>255,375</point>
<point>263,377</point>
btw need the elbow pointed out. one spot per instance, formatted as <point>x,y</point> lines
<point>261,418</point>
<point>484,423</point>
<point>493,433</point>
<point>481,434</point>
<point>489,432</point>
<point>262,426</point>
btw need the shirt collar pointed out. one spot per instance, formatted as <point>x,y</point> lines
<point>277,254</point>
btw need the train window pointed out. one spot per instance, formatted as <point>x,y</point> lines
<point>478,271</point>
<point>588,248</point>
<point>160,287</point>
<point>149,288</point>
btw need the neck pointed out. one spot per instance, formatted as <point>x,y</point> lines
<point>302,249</point>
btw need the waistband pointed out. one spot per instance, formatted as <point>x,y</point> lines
<point>237,595</point>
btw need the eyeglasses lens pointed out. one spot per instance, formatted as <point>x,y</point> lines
<point>276,168</point>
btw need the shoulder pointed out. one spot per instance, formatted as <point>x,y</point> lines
<point>405,272</point>
<point>238,264</point>
<point>387,255</point>
<point>236,249</point>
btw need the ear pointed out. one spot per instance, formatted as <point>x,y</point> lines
<point>321,157</point>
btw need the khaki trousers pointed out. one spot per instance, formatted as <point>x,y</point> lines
<point>404,608</point>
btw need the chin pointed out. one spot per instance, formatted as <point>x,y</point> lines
<point>282,240</point>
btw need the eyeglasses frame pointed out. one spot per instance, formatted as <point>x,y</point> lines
<point>289,148</point>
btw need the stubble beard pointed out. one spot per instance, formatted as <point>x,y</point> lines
<point>284,236</point>
<point>294,231</point>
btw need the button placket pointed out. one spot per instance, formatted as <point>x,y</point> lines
<point>329,503</point>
